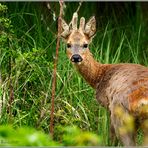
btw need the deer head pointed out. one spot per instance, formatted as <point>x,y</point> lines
<point>78,39</point>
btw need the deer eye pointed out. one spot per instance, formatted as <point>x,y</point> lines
<point>85,45</point>
<point>68,45</point>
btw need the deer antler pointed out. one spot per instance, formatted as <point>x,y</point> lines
<point>74,21</point>
<point>82,24</point>
<point>88,29</point>
<point>67,28</point>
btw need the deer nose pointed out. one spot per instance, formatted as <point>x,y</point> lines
<point>76,58</point>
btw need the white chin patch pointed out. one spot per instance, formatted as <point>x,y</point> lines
<point>79,63</point>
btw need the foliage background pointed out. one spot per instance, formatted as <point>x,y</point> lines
<point>27,47</point>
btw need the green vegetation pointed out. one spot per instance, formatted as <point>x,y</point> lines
<point>25,136</point>
<point>27,47</point>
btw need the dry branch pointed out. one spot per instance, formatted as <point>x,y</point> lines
<point>54,71</point>
<point>55,65</point>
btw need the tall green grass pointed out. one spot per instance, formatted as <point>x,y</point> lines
<point>32,66</point>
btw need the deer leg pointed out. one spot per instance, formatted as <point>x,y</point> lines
<point>112,135</point>
<point>128,139</point>
<point>122,130</point>
<point>145,132</point>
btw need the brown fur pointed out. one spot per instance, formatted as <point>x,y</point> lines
<point>119,84</point>
<point>121,88</point>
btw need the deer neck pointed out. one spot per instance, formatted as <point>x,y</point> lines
<point>91,70</point>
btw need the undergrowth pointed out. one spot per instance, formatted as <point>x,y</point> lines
<point>28,39</point>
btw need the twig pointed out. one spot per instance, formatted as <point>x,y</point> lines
<point>54,71</point>
<point>11,90</point>
<point>11,99</point>
<point>80,4</point>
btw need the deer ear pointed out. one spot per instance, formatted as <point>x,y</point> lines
<point>65,29</point>
<point>90,27</point>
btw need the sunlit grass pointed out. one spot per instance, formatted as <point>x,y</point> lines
<point>32,67</point>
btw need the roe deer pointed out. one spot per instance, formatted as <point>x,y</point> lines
<point>121,88</point>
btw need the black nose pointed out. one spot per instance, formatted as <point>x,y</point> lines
<point>76,58</point>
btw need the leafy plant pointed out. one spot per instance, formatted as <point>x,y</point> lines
<point>24,136</point>
<point>27,48</point>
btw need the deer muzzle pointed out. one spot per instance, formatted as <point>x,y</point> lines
<point>76,58</point>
